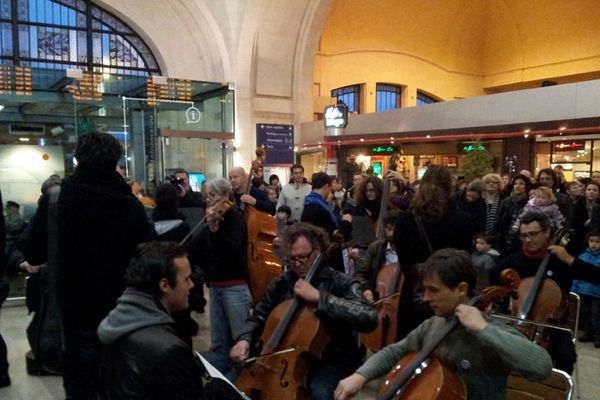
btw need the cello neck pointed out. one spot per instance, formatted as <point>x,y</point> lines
<point>283,324</point>
<point>383,207</point>
<point>420,361</point>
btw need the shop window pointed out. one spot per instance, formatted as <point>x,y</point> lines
<point>388,97</point>
<point>424,99</point>
<point>348,95</point>
<point>61,34</point>
<point>575,156</point>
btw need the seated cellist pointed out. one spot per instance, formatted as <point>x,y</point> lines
<point>481,352</point>
<point>338,303</point>
<point>535,234</point>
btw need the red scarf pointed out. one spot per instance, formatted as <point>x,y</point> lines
<point>536,255</point>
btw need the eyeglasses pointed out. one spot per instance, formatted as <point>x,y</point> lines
<point>302,259</point>
<point>529,235</point>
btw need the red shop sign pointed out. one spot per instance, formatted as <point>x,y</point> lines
<point>569,145</point>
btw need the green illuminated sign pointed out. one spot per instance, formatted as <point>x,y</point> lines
<point>382,150</point>
<point>472,147</point>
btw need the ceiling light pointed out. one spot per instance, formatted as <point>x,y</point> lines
<point>24,139</point>
<point>527,130</point>
<point>1,107</point>
<point>362,140</point>
<point>428,136</point>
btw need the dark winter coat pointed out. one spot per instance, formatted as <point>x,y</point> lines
<point>453,230</point>
<point>100,223</point>
<point>475,210</point>
<point>508,212</point>
<point>222,255</point>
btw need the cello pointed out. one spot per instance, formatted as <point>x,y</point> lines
<point>263,263</point>
<point>538,301</point>
<point>388,284</point>
<point>293,337</point>
<point>421,376</point>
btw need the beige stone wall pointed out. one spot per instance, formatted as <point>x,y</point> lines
<point>284,57</point>
<point>457,48</point>
<point>266,48</point>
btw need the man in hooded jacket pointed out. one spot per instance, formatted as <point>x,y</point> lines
<point>147,356</point>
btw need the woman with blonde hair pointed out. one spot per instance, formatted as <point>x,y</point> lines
<point>492,197</point>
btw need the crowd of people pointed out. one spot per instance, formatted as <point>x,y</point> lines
<point>129,269</point>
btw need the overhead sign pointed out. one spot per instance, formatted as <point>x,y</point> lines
<point>383,149</point>
<point>336,116</point>
<point>569,145</point>
<point>469,147</point>
<point>278,141</point>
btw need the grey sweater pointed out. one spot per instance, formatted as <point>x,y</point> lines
<point>483,359</point>
<point>292,195</point>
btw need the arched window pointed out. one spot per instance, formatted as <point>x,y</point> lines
<point>350,96</point>
<point>424,98</point>
<point>62,34</point>
<point>388,97</point>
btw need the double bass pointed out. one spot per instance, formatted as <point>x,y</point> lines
<point>294,336</point>
<point>421,376</point>
<point>388,284</point>
<point>263,263</point>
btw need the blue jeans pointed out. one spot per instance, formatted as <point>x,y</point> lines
<point>229,309</point>
<point>325,378</point>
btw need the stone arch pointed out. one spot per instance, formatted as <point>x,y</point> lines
<point>184,36</point>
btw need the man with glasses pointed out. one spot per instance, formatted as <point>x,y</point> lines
<point>336,299</point>
<point>534,231</point>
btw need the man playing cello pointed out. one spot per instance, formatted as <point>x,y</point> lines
<point>481,352</point>
<point>534,231</point>
<point>338,303</point>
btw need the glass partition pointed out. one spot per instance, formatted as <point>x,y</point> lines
<point>162,123</point>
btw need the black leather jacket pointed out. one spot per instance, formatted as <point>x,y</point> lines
<point>154,363</point>
<point>146,357</point>
<point>342,308</point>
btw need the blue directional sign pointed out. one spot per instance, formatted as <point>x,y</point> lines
<point>278,141</point>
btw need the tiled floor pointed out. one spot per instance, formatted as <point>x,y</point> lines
<point>13,321</point>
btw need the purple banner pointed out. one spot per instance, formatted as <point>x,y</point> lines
<point>278,141</point>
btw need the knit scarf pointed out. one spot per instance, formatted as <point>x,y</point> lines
<point>316,198</point>
<point>535,255</point>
